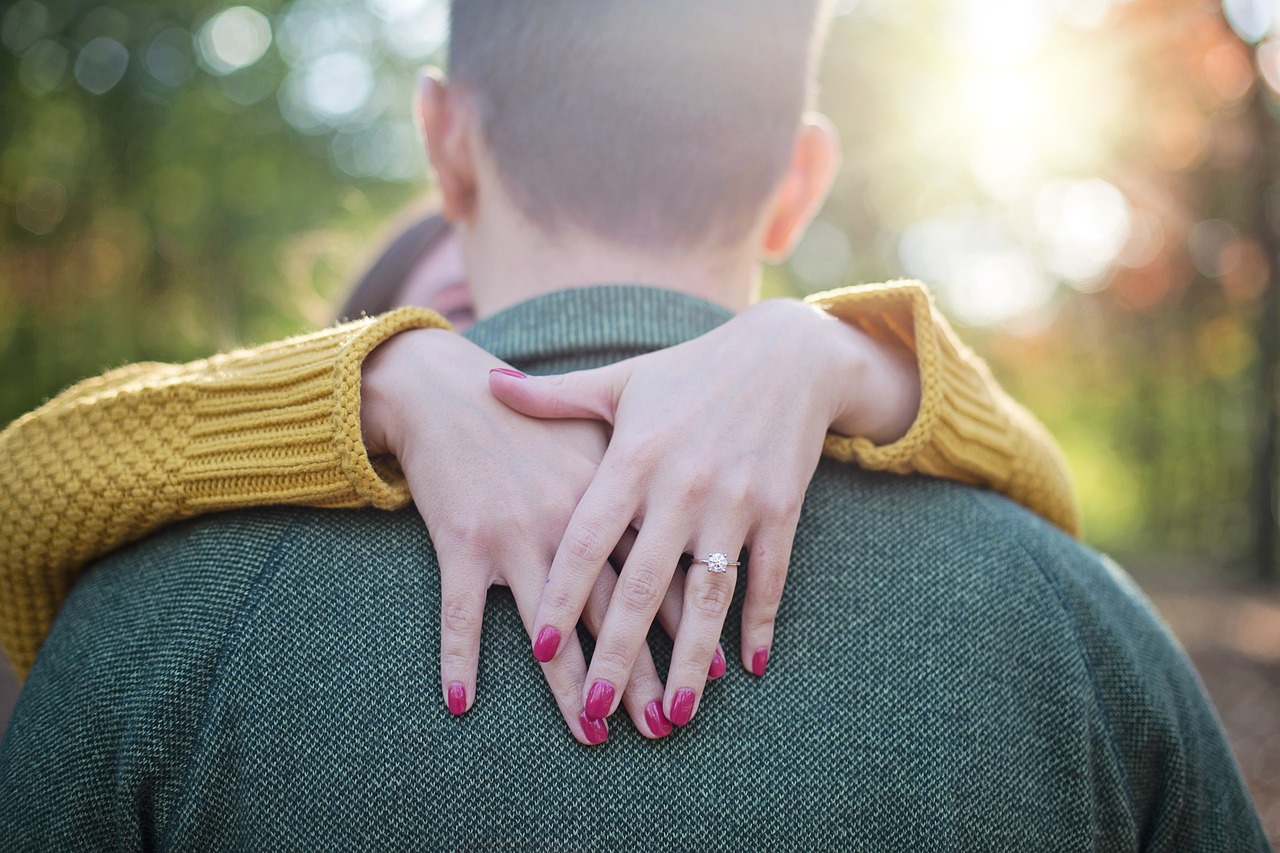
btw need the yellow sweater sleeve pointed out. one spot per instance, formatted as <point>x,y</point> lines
<point>968,429</point>
<point>115,457</point>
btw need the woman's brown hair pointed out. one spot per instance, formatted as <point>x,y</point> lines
<point>375,292</point>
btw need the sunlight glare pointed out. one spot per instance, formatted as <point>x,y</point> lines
<point>1084,225</point>
<point>979,269</point>
<point>998,32</point>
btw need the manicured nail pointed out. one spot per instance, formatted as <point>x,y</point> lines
<point>718,665</point>
<point>597,731</point>
<point>457,699</point>
<point>599,701</point>
<point>759,661</point>
<point>658,723</point>
<point>548,641</point>
<point>515,374</point>
<point>682,707</point>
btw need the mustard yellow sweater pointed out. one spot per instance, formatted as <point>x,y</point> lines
<point>114,458</point>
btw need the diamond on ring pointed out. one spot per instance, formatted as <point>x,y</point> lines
<point>717,562</point>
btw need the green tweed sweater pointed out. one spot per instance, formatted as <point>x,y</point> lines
<point>950,673</point>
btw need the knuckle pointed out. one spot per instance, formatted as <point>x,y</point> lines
<point>611,660</point>
<point>641,456</point>
<point>710,599</point>
<point>642,588</point>
<point>696,491</point>
<point>586,545</point>
<point>459,617</point>
<point>471,535</point>
<point>761,615</point>
<point>766,588</point>
<point>560,601</point>
<point>783,509</point>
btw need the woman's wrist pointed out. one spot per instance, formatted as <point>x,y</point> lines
<point>874,385</point>
<point>393,372</point>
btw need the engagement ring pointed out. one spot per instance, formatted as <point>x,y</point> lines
<point>717,562</point>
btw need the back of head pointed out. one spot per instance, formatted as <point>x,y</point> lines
<point>657,123</point>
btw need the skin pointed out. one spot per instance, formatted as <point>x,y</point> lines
<point>545,513</point>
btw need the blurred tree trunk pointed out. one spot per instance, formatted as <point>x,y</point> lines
<point>1266,162</point>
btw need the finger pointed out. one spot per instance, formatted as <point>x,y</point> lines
<point>770,556</point>
<point>706,603</point>
<point>672,607</point>
<point>623,548</point>
<point>640,589</point>
<point>597,524</point>
<point>566,672</point>
<point>642,696</point>
<point>462,597</point>
<point>669,613</point>
<point>583,394</point>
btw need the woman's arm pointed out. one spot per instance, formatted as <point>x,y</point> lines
<point>113,458</point>
<point>116,457</point>
<point>967,429</point>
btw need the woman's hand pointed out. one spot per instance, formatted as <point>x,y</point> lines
<point>713,447</point>
<point>496,490</point>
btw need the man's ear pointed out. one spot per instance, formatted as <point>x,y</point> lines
<point>446,120</point>
<point>815,159</point>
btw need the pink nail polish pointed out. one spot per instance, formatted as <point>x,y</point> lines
<point>457,699</point>
<point>515,374</point>
<point>658,723</point>
<point>759,661</point>
<point>599,701</point>
<point>597,731</point>
<point>718,665</point>
<point>682,707</point>
<point>545,647</point>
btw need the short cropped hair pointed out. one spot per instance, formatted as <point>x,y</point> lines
<point>652,123</point>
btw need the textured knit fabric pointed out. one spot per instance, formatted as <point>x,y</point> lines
<point>116,457</point>
<point>950,672</point>
<point>968,429</point>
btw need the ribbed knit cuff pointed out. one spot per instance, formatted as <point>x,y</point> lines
<point>967,429</point>
<point>901,312</point>
<point>282,424</point>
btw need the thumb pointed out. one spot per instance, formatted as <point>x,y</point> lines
<point>591,394</point>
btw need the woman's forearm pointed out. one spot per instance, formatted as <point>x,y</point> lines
<point>967,428</point>
<point>116,457</point>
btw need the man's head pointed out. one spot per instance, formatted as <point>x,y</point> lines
<point>664,124</point>
<point>646,122</point>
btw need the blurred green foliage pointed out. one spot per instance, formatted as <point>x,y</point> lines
<point>172,215</point>
<point>1077,180</point>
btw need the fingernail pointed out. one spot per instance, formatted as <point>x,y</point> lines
<point>682,707</point>
<point>597,731</point>
<point>599,701</point>
<point>506,372</point>
<point>658,723</point>
<point>759,661</point>
<point>457,699</point>
<point>718,665</point>
<point>548,641</point>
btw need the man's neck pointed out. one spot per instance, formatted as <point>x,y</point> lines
<point>508,265</point>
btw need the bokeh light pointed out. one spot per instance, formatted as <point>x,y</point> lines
<point>101,64</point>
<point>233,39</point>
